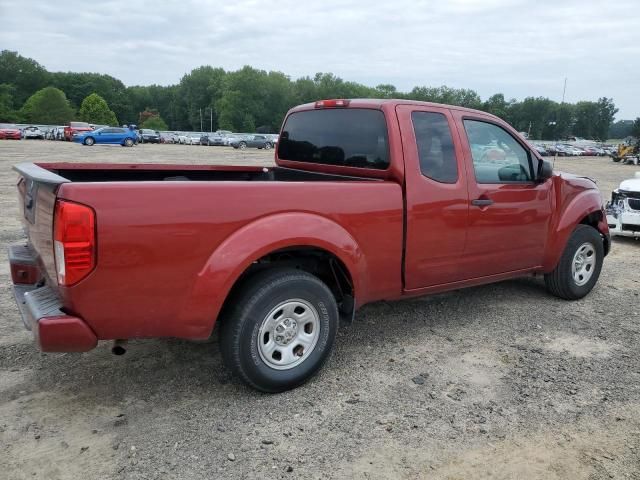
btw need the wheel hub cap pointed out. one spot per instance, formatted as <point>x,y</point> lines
<point>286,331</point>
<point>288,334</point>
<point>583,265</point>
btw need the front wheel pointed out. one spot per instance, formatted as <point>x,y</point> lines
<point>89,141</point>
<point>279,330</point>
<point>579,267</point>
<point>267,146</point>
<point>242,146</point>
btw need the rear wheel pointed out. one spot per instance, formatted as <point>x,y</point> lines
<point>579,267</point>
<point>267,146</point>
<point>128,142</point>
<point>89,141</point>
<point>279,330</point>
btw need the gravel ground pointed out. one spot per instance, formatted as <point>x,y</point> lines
<point>499,381</point>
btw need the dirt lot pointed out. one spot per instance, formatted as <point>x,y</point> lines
<point>500,381</point>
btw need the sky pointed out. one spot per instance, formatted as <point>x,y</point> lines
<point>517,47</point>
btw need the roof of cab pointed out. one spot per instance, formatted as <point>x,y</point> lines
<point>379,102</point>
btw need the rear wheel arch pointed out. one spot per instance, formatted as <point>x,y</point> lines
<point>319,262</point>
<point>309,241</point>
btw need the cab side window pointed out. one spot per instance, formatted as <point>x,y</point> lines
<point>497,156</point>
<point>435,146</point>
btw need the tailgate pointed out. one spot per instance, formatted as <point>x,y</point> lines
<point>37,189</point>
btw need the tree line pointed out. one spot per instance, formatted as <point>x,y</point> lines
<point>252,100</point>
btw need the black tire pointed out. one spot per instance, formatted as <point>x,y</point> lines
<point>241,324</point>
<point>561,282</point>
<point>89,141</point>
<point>128,142</point>
<point>242,145</point>
<point>267,146</point>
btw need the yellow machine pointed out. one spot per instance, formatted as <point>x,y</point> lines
<point>627,152</point>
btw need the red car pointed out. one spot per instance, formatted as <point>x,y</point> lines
<point>75,127</point>
<point>9,132</point>
<point>370,200</point>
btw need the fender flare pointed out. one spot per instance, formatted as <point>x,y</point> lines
<point>582,205</point>
<point>255,240</point>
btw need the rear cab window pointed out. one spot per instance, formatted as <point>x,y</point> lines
<point>346,137</point>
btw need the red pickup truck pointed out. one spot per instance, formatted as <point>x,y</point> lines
<point>369,200</point>
<point>75,127</point>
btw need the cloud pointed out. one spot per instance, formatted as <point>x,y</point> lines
<point>517,47</point>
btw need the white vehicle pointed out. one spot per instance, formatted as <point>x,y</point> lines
<point>33,132</point>
<point>623,211</point>
<point>182,138</point>
<point>193,139</point>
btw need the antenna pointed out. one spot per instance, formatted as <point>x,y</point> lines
<point>564,91</point>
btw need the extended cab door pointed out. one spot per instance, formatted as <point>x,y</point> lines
<point>509,212</point>
<point>436,196</point>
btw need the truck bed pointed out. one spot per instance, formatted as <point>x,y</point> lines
<point>169,237</point>
<point>109,172</point>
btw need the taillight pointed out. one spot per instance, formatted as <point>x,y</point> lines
<point>74,241</point>
<point>332,103</point>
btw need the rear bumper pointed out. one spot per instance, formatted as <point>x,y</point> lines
<point>42,311</point>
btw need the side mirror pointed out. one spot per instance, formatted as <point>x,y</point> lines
<point>545,171</point>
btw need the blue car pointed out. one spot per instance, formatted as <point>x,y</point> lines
<point>108,135</point>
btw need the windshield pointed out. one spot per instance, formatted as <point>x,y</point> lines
<point>352,137</point>
<point>79,125</point>
<point>7,125</point>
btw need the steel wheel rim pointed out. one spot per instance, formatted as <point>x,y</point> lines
<point>288,334</point>
<point>583,264</point>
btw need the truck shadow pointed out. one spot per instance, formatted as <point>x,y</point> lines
<point>175,369</point>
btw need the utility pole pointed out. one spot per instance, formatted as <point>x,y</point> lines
<point>210,120</point>
<point>201,119</point>
<point>564,90</point>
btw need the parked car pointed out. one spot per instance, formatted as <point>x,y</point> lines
<point>541,150</point>
<point>149,136</point>
<point>9,131</point>
<point>214,139</point>
<point>193,138</point>
<point>166,137</point>
<point>369,200</point>
<point>74,128</point>
<point>30,133</point>
<point>251,141</point>
<point>623,210</point>
<point>107,135</point>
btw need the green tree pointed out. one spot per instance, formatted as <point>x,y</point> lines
<point>622,128</point>
<point>7,112</point>
<point>78,86</point>
<point>587,115</point>
<point>386,90</point>
<point>154,122</point>
<point>94,109</point>
<point>25,75</point>
<point>48,106</point>
<point>198,90</point>
<point>606,112</point>
<point>635,130</point>
<point>497,105</point>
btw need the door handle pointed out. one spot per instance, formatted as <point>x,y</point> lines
<point>482,202</point>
